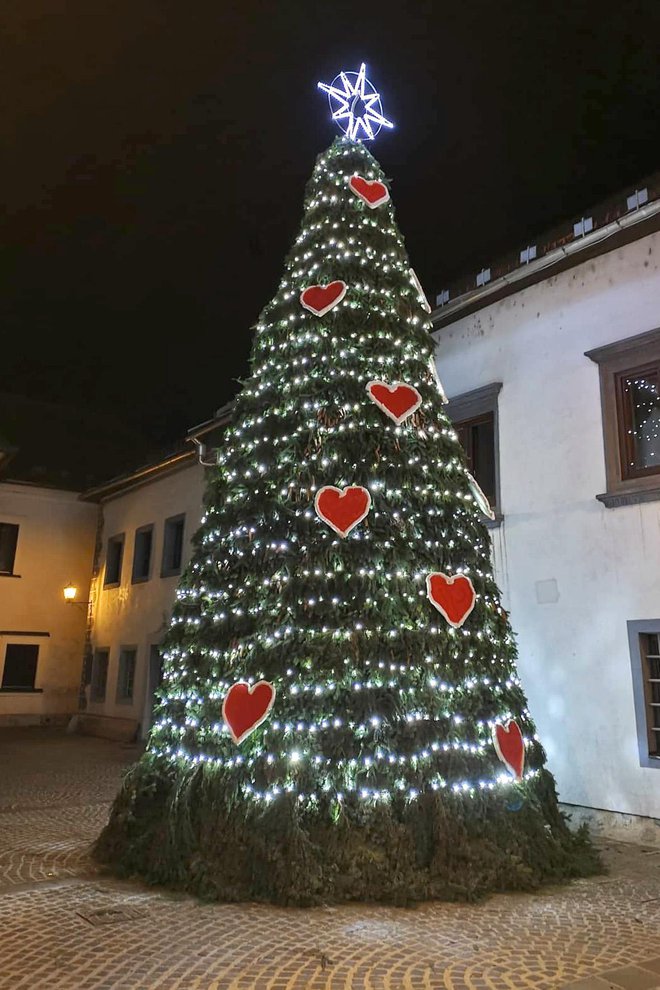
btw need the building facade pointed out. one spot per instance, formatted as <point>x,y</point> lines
<point>553,374</point>
<point>88,575</point>
<point>144,545</point>
<point>46,542</point>
<point>146,522</point>
<point>48,454</point>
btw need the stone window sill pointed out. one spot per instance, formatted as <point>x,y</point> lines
<point>4,574</point>
<point>496,522</point>
<point>19,690</point>
<point>634,496</point>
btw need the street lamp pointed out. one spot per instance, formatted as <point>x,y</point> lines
<point>70,592</point>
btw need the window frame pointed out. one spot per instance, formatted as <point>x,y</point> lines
<point>118,538</point>
<point>126,699</point>
<point>473,405</point>
<point>615,361</point>
<point>12,572</point>
<point>165,570</point>
<point>140,579</point>
<point>637,628</point>
<point>95,699</point>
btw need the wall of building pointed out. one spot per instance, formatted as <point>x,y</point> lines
<point>137,615</point>
<point>55,546</point>
<point>574,656</point>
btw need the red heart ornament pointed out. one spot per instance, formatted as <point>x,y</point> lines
<point>398,400</point>
<point>246,706</point>
<point>372,193</point>
<point>453,596</point>
<point>510,747</point>
<point>318,299</point>
<point>342,510</point>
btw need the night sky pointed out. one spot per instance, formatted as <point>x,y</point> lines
<point>154,156</point>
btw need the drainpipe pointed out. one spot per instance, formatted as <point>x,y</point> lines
<point>88,652</point>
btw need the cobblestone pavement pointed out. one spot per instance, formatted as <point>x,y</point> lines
<point>66,927</point>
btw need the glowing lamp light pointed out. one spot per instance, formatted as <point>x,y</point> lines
<point>355,105</point>
<point>70,593</point>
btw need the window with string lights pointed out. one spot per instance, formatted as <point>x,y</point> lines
<point>630,403</point>
<point>638,416</point>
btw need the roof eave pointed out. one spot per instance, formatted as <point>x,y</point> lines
<point>625,229</point>
<point>143,476</point>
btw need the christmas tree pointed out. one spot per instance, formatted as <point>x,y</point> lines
<point>341,716</point>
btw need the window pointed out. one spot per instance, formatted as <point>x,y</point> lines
<point>630,406</point>
<point>99,675</point>
<point>20,668</point>
<point>638,415</point>
<point>8,541</point>
<point>649,648</point>
<point>173,546</point>
<point>474,415</point>
<point>477,438</point>
<point>142,554</point>
<point>126,674</point>
<point>644,642</point>
<point>113,561</point>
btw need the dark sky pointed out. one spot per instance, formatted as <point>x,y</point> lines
<point>154,155</point>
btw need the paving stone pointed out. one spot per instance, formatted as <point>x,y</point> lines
<point>591,983</point>
<point>633,978</point>
<point>55,792</point>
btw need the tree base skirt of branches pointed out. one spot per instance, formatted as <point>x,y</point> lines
<point>178,828</point>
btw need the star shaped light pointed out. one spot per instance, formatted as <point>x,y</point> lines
<point>355,105</point>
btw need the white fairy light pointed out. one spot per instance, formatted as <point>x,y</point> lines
<point>292,602</point>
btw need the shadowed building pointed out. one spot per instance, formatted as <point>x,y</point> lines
<point>48,453</point>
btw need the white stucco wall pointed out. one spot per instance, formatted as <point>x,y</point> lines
<point>55,545</point>
<point>574,656</point>
<point>136,615</point>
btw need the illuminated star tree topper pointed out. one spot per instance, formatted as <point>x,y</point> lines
<point>355,105</point>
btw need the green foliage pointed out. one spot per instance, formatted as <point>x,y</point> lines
<point>374,776</point>
<point>180,831</point>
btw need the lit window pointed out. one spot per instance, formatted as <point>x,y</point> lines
<point>630,404</point>
<point>638,407</point>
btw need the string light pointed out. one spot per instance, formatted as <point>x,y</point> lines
<point>272,593</point>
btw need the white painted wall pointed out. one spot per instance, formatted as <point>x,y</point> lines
<point>55,546</point>
<point>574,658</point>
<point>137,615</point>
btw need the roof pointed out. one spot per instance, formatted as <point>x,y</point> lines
<point>618,220</point>
<point>190,450</point>
<point>62,446</point>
